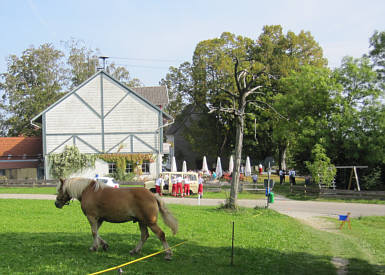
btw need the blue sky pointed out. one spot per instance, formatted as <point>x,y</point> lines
<point>152,35</point>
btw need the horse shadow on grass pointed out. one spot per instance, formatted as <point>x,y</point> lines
<point>67,253</point>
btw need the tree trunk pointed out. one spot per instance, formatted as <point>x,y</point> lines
<point>282,156</point>
<point>238,156</point>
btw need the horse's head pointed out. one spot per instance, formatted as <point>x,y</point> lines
<point>62,197</point>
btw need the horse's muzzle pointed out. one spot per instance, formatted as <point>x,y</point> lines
<point>58,204</point>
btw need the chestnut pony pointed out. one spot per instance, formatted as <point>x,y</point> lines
<point>116,205</point>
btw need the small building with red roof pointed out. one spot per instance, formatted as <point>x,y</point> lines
<point>21,157</point>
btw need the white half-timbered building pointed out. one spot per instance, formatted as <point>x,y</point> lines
<point>103,116</point>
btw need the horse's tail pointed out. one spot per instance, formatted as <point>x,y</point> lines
<point>168,218</point>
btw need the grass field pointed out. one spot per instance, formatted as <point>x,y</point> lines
<point>37,238</point>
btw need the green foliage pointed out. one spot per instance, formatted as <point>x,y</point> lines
<point>121,161</point>
<point>32,82</point>
<point>321,169</point>
<point>179,85</point>
<point>356,128</point>
<point>83,63</point>
<point>377,53</point>
<point>40,76</point>
<point>70,161</point>
<point>372,181</point>
<point>212,72</point>
<point>307,100</point>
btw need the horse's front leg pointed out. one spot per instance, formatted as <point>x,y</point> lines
<point>95,224</point>
<point>143,237</point>
<point>103,242</point>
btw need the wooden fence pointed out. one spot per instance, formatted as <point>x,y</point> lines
<point>314,189</point>
<point>218,186</point>
<point>27,183</point>
<point>352,194</point>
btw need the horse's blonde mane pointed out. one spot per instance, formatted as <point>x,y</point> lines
<point>76,186</point>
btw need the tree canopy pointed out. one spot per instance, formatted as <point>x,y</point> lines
<point>40,76</point>
<point>341,110</point>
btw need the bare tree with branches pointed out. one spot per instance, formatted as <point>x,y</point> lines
<point>245,86</point>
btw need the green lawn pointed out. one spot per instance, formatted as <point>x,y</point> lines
<point>28,190</point>
<point>37,238</point>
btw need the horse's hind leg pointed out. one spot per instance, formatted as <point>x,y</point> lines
<point>143,237</point>
<point>162,237</point>
<point>95,224</point>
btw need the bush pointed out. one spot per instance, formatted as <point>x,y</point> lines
<point>321,169</point>
<point>69,161</point>
<point>372,181</point>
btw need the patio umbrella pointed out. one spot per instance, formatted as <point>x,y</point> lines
<point>160,163</point>
<point>231,164</point>
<point>184,166</point>
<point>205,170</point>
<point>173,165</point>
<point>248,167</point>
<point>218,169</point>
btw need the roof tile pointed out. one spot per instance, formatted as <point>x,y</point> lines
<point>18,146</point>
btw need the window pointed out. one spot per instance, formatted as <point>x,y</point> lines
<point>146,167</point>
<point>2,172</point>
<point>111,168</point>
<point>129,167</point>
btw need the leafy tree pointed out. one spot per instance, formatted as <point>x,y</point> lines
<point>213,78</point>
<point>122,75</point>
<point>32,82</point>
<point>83,63</point>
<point>212,72</point>
<point>281,54</point>
<point>307,100</point>
<point>179,85</point>
<point>377,52</point>
<point>40,76</point>
<point>81,60</point>
<point>321,168</point>
<point>359,118</point>
<point>70,161</point>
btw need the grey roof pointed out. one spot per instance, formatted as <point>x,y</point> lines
<point>156,95</point>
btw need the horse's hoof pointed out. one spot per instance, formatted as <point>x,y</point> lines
<point>133,252</point>
<point>93,249</point>
<point>105,247</point>
<point>168,257</point>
